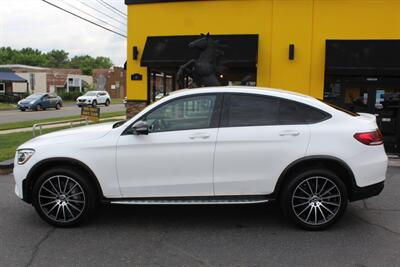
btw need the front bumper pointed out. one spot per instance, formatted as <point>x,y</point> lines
<point>83,103</point>
<point>24,106</point>
<point>359,193</point>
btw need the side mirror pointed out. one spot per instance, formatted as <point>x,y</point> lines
<point>140,128</point>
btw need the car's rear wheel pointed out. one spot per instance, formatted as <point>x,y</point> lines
<point>107,102</point>
<point>94,103</point>
<point>314,199</point>
<point>58,106</point>
<point>63,197</point>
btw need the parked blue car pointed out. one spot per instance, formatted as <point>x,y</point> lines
<point>40,101</point>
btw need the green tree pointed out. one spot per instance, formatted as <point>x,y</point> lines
<point>53,59</point>
<point>57,59</point>
<point>87,63</point>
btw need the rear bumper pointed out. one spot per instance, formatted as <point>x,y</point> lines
<point>366,191</point>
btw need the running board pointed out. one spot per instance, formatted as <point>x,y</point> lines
<point>191,201</point>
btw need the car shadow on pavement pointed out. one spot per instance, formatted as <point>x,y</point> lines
<point>186,215</point>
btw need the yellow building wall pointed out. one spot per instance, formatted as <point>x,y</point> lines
<point>356,19</point>
<point>305,23</point>
<point>193,18</point>
<point>292,21</point>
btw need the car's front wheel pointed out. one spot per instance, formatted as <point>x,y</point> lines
<point>314,199</point>
<point>94,103</point>
<point>58,106</point>
<point>63,197</point>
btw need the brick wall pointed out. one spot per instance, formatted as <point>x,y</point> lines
<point>112,80</point>
<point>134,107</point>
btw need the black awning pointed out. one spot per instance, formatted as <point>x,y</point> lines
<point>173,51</point>
<point>362,57</point>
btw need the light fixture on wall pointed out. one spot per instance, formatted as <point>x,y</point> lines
<point>135,53</point>
<point>291,52</point>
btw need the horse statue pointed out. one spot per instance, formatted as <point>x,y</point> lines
<point>204,69</point>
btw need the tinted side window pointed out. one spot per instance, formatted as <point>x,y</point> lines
<point>291,112</point>
<point>183,114</point>
<point>250,110</point>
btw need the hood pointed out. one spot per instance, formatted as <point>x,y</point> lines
<point>25,101</point>
<point>79,134</point>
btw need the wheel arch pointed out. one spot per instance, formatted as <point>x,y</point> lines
<point>41,166</point>
<point>333,164</point>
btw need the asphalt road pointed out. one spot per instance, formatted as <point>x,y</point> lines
<point>368,235</point>
<point>68,110</point>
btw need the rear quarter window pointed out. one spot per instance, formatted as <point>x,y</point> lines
<point>291,112</point>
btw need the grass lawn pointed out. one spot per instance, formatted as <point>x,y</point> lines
<point>10,142</point>
<point>26,124</point>
<point>7,106</point>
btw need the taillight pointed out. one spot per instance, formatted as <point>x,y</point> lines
<point>370,138</point>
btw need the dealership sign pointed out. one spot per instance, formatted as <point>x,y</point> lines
<point>90,113</point>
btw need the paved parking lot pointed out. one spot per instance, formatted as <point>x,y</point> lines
<point>368,235</point>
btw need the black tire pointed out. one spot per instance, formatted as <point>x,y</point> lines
<point>39,107</point>
<point>314,199</point>
<point>94,103</point>
<point>22,109</point>
<point>58,106</point>
<point>65,209</point>
<point>107,102</point>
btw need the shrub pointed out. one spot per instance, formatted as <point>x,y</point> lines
<point>70,95</point>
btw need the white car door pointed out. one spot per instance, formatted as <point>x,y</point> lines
<point>102,97</point>
<point>176,157</point>
<point>259,137</point>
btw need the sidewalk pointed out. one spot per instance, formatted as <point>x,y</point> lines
<point>29,129</point>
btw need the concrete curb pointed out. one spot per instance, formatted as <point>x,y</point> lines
<point>7,166</point>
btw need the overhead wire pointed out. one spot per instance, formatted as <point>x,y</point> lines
<point>101,12</point>
<point>116,9</point>
<point>90,15</point>
<point>85,19</point>
<point>108,6</point>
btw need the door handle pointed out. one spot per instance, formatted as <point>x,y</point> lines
<point>199,136</point>
<point>289,133</point>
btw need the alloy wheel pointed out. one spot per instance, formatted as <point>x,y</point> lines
<point>316,200</point>
<point>61,199</point>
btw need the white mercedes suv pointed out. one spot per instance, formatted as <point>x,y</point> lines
<point>224,145</point>
<point>94,98</point>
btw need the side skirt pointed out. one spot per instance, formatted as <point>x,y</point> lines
<point>211,200</point>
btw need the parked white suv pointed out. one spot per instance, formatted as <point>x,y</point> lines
<point>94,98</point>
<point>232,145</point>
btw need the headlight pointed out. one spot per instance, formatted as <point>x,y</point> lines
<point>32,102</point>
<point>24,155</point>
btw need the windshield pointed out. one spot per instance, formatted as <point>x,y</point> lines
<point>91,94</point>
<point>34,96</point>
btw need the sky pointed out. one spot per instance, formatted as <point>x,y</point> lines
<point>33,23</point>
